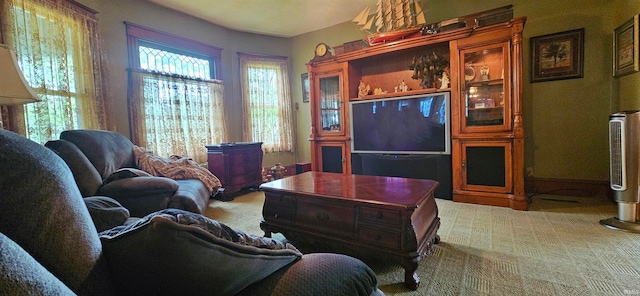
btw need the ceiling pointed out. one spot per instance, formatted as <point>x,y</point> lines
<point>282,18</point>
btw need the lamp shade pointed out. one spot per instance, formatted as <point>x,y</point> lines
<point>14,89</point>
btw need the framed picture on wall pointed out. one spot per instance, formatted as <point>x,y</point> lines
<point>557,56</point>
<point>625,48</point>
<point>306,88</point>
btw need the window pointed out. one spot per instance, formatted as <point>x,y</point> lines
<point>266,102</point>
<point>56,44</point>
<point>176,101</point>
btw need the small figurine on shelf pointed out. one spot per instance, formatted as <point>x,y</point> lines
<point>484,72</point>
<point>363,89</point>
<point>444,81</point>
<point>403,86</point>
<point>379,91</point>
<point>277,171</point>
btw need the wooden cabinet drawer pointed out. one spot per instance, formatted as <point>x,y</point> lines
<point>327,218</point>
<point>240,159</point>
<point>388,217</point>
<point>244,168</point>
<point>379,237</point>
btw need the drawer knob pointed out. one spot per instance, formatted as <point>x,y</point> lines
<point>322,217</point>
<point>379,215</point>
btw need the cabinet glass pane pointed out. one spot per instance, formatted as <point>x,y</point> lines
<point>485,166</point>
<point>484,87</point>
<point>330,104</point>
<point>332,159</point>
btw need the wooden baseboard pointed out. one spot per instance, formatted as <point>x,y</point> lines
<point>567,187</point>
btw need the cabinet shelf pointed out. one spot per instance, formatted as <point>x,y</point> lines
<point>485,83</point>
<point>401,94</point>
<point>487,108</point>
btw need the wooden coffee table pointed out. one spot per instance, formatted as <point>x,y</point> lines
<point>358,215</point>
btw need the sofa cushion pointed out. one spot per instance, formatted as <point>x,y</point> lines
<point>332,274</point>
<point>108,151</point>
<point>84,172</point>
<point>174,252</point>
<point>106,212</point>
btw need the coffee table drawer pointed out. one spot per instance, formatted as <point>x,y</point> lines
<point>328,218</point>
<point>379,237</point>
<point>278,208</point>
<point>388,217</point>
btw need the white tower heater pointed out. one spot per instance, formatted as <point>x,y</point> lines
<point>624,157</point>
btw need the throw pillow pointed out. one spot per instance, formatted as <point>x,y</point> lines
<point>175,252</point>
<point>106,212</point>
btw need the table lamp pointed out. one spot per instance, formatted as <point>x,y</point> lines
<point>14,89</point>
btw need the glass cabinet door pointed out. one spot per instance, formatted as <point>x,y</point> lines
<point>486,92</point>
<point>330,105</point>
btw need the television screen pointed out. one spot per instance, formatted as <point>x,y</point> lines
<point>417,124</point>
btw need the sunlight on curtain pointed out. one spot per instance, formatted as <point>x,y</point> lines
<point>176,116</point>
<point>266,102</point>
<point>58,48</point>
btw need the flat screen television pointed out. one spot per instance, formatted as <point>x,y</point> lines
<point>414,124</point>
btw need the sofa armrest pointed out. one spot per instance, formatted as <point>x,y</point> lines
<point>23,275</point>
<point>139,187</point>
<point>141,195</point>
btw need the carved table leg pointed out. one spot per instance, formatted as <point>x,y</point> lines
<point>411,279</point>
<point>265,228</point>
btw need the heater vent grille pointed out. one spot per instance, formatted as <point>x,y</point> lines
<point>617,157</point>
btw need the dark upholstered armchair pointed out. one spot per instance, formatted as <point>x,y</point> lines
<point>97,159</point>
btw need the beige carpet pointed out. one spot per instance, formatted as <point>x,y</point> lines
<point>556,248</point>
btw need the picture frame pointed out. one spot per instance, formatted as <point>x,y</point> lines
<point>557,56</point>
<point>306,87</point>
<point>625,48</point>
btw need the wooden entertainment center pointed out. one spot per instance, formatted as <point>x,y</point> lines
<point>485,85</point>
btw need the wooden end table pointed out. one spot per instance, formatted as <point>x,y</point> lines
<point>356,215</point>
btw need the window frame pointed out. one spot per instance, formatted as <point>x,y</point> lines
<point>137,33</point>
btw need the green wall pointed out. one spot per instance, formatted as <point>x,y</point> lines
<point>566,121</point>
<point>113,13</point>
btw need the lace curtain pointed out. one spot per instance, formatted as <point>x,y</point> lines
<point>266,102</point>
<point>58,47</point>
<point>176,116</point>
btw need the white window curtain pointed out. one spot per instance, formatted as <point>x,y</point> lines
<point>266,102</point>
<point>58,47</point>
<point>176,116</point>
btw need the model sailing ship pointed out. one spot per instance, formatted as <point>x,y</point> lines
<point>393,20</point>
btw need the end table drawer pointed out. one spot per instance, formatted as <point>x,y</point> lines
<point>379,237</point>
<point>388,217</point>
